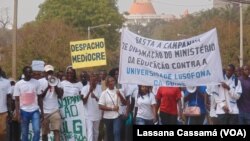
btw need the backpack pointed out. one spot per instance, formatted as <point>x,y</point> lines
<point>235,81</point>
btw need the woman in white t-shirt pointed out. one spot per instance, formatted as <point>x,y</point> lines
<point>71,86</point>
<point>72,98</point>
<point>109,102</point>
<point>145,107</point>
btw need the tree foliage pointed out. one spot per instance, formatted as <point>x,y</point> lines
<point>48,41</point>
<point>84,13</point>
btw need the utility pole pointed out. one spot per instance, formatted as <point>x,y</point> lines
<point>14,41</point>
<point>240,2</point>
<point>241,37</point>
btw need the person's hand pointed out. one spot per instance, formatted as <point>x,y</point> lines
<point>116,108</point>
<point>91,89</point>
<point>125,115</point>
<point>180,115</point>
<point>155,120</point>
<point>118,93</point>
<point>224,85</point>
<point>16,116</point>
<point>226,109</point>
<point>93,96</point>
<point>42,116</point>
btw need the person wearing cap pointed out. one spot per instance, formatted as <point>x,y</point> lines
<point>37,69</point>
<point>4,87</point>
<point>50,94</point>
<point>28,100</point>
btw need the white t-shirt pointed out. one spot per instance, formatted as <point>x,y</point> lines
<point>109,98</point>
<point>50,101</point>
<point>128,90</point>
<point>28,91</point>
<point>71,89</point>
<point>144,104</point>
<point>4,88</point>
<point>91,108</point>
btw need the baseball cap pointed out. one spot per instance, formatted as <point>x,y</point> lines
<point>48,68</point>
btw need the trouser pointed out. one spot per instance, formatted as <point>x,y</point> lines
<point>3,123</point>
<point>92,129</point>
<point>228,119</point>
<point>113,129</point>
<point>34,117</point>
<point>244,118</point>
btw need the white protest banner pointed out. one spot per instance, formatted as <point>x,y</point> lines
<point>190,62</point>
<point>73,125</point>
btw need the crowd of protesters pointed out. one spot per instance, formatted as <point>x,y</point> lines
<point>110,108</point>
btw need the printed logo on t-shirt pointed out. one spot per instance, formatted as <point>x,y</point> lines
<point>27,98</point>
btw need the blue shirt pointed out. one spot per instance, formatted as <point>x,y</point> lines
<point>201,90</point>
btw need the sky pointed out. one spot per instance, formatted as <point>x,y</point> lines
<point>28,9</point>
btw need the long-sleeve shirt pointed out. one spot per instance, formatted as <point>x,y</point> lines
<point>227,97</point>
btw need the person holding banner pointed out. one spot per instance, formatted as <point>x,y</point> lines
<point>229,91</point>
<point>90,96</point>
<point>71,108</point>
<point>50,94</point>
<point>28,101</point>
<point>71,87</point>
<point>109,102</point>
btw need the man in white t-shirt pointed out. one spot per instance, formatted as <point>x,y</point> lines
<point>28,101</point>
<point>4,87</point>
<point>50,94</point>
<point>91,94</point>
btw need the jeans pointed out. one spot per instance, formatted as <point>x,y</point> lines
<point>141,121</point>
<point>34,117</point>
<point>113,129</point>
<point>244,118</point>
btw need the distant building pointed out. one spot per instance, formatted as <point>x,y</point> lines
<point>142,12</point>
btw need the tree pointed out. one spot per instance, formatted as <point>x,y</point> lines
<point>4,18</point>
<point>83,13</point>
<point>47,41</point>
<point>225,20</point>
